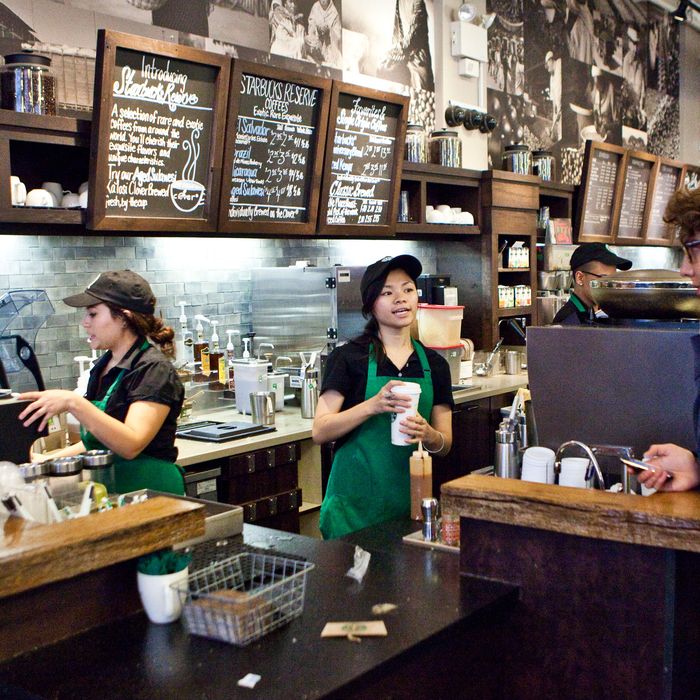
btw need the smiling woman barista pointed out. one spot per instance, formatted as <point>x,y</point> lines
<point>369,480</point>
<point>134,395</point>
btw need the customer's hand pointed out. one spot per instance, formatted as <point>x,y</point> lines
<point>675,468</point>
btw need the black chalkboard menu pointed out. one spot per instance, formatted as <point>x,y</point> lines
<point>669,177</point>
<point>364,150</point>
<point>638,168</point>
<point>157,135</point>
<point>273,155</point>
<point>601,183</point>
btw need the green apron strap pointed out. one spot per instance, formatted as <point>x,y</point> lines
<point>369,481</point>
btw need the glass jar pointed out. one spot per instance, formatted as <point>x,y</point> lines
<point>415,144</point>
<point>516,159</point>
<point>544,165</point>
<point>445,148</point>
<point>27,84</point>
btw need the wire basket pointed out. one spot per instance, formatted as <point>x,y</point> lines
<point>240,599</point>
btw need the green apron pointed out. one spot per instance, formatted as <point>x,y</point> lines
<point>143,472</point>
<point>370,481</point>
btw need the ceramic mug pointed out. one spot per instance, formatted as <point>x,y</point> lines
<point>70,200</point>
<point>18,191</point>
<point>56,190</point>
<point>161,595</point>
<point>40,198</point>
<point>83,199</point>
<point>83,187</point>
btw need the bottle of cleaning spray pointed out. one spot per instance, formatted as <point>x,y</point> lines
<point>184,350</point>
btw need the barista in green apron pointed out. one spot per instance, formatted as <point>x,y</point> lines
<point>134,395</point>
<point>369,481</point>
<point>143,472</point>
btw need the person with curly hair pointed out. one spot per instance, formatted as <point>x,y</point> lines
<point>134,395</point>
<point>675,468</point>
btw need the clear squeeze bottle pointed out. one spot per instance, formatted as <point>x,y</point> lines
<point>201,349</point>
<point>230,357</point>
<point>217,361</point>
<point>185,345</point>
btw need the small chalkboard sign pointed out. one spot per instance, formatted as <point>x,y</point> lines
<point>157,135</point>
<point>669,177</point>
<point>599,196</point>
<point>276,135</point>
<point>364,151</point>
<point>638,168</point>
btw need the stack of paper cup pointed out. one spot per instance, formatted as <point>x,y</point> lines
<point>413,391</point>
<point>538,465</point>
<point>573,472</point>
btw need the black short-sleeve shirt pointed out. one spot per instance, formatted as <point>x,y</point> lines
<point>346,373</point>
<point>149,376</point>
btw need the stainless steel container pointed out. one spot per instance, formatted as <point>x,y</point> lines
<point>65,474</point>
<point>648,294</point>
<point>505,461</point>
<point>98,466</point>
<point>31,471</point>
<point>309,394</point>
<point>429,509</point>
<point>262,407</point>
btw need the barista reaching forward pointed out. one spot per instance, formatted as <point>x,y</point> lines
<point>588,262</point>
<point>369,480</point>
<point>134,395</point>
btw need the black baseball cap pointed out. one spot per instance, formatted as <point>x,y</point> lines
<point>123,288</point>
<point>589,252</point>
<point>375,275</point>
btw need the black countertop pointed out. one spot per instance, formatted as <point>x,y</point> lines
<point>134,658</point>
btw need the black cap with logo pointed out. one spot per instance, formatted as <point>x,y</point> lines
<point>123,288</point>
<point>590,252</point>
<point>375,275</point>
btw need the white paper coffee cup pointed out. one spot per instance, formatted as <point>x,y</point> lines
<point>413,391</point>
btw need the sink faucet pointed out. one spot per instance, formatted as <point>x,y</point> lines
<point>264,345</point>
<point>594,466</point>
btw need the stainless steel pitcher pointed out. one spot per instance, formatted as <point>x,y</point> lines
<point>262,407</point>
<point>505,460</point>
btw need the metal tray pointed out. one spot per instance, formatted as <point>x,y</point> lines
<point>215,431</point>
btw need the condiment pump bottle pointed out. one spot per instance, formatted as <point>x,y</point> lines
<point>421,471</point>
<point>185,345</point>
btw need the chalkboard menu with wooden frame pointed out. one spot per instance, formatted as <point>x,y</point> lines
<point>638,175</point>
<point>273,155</point>
<point>364,151</point>
<point>668,177</point>
<point>157,135</point>
<point>599,193</point>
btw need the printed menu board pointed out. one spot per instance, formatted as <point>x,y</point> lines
<point>363,153</point>
<point>157,135</point>
<point>601,182</point>
<point>274,150</point>
<point>669,177</point>
<point>638,169</point>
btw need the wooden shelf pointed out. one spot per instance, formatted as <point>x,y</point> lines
<point>452,229</point>
<point>432,169</point>
<point>42,215</point>
<point>514,311</point>
<point>42,123</point>
<point>514,269</point>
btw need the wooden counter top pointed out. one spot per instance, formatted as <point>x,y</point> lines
<point>670,520</point>
<point>32,555</point>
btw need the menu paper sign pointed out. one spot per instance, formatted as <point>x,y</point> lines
<point>159,112</point>
<point>274,153</point>
<point>634,196</point>
<point>668,179</point>
<point>365,139</point>
<point>601,193</point>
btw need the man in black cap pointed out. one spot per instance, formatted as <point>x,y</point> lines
<point>588,262</point>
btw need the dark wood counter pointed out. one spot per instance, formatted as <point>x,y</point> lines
<point>439,620</point>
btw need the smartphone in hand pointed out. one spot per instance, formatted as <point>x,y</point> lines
<point>638,464</point>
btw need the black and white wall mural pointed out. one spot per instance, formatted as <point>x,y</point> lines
<point>560,71</point>
<point>564,71</point>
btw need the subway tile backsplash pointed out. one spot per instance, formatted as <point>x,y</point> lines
<point>211,274</point>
